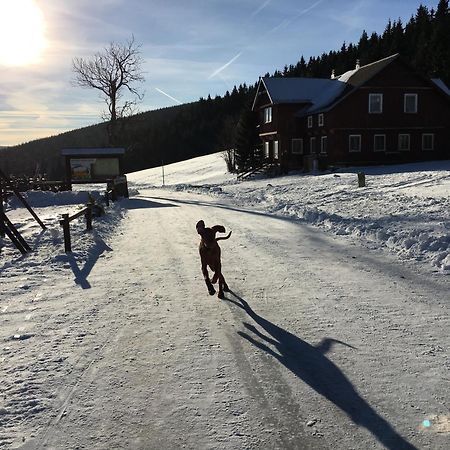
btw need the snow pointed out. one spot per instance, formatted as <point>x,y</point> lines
<point>335,335</point>
<point>318,91</point>
<point>404,208</point>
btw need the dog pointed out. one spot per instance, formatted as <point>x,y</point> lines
<point>210,256</point>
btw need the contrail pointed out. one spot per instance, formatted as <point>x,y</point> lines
<point>283,23</point>
<point>286,22</point>
<point>220,69</point>
<point>167,95</point>
<point>261,7</point>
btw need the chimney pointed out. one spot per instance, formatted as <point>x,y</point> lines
<point>357,64</point>
<point>333,74</point>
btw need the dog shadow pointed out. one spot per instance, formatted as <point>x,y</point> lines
<point>309,364</point>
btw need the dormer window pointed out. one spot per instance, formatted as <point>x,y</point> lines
<point>410,103</point>
<point>268,114</point>
<point>310,121</point>
<point>375,103</point>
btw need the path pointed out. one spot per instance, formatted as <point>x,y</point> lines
<point>321,344</point>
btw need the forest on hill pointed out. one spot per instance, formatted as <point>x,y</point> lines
<point>209,125</point>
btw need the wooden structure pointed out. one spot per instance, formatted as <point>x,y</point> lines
<point>96,165</point>
<point>65,223</point>
<point>379,113</point>
<point>6,226</point>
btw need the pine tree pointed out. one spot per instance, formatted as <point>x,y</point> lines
<point>440,42</point>
<point>247,140</point>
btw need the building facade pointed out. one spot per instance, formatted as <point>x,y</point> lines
<point>380,113</point>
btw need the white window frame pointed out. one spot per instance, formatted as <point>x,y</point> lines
<point>358,149</point>
<point>293,146</point>
<point>266,149</point>
<point>375,149</point>
<point>310,121</point>
<point>312,145</point>
<point>323,139</point>
<point>380,96</point>
<point>425,135</point>
<point>268,114</point>
<point>404,135</point>
<point>321,120</point>
<point>415,97</point>
<point>276,149</point>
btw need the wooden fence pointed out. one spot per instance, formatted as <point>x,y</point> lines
<point>65,223</point>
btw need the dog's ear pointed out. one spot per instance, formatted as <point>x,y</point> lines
<point>218,229</point>
<point>200,226</point>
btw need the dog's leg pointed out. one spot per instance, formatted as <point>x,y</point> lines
<point>210,287</point>
<point>223,287</point>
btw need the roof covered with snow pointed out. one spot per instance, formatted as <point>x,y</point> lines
<point>441,85</point>
<point>320,93</point>
<point>360,75</point>
<point>92,151</point>
<point>301,90</point>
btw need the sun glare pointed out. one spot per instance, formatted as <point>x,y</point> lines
<point>22,29</point>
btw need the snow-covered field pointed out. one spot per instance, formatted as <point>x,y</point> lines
<point>336,335</point>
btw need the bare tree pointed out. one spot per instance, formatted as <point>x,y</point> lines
<point>114,72</point>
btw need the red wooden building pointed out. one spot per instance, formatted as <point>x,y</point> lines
<point>380,113</point>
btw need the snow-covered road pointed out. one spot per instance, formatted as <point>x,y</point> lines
<point>321,344</point>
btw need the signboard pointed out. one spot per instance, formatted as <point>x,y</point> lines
<point>85,169</point>
<point>82,169</point>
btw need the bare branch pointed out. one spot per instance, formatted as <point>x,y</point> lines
<point>114,72</point>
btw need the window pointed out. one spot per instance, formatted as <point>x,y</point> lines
<point>375,103</point>
<point>410,103</point>
<point>268,114</point>
<point>379,143</point>
<point>354,143</point>
<point>323,145</point>
<point>321,122</point>
<point>297,146</point>
<point>403,142</point>
<point>428,141</point>
<point>312,145</point>
<point>275,149</point>
<point>310,121</point>
<point>266,149</point>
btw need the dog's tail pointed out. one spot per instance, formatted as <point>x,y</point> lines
<point>224,237</point>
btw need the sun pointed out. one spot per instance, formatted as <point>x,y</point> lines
<point>22,27</point>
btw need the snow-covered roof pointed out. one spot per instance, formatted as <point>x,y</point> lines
<point>358,76</point>
<point>320,93</point>
<point>441,85</point>
<point>92,151</point>
<point>302,90</point>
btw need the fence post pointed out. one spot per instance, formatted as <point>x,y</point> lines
<point>89,217</point>
<point>2,228</point>
<point>66,231</point>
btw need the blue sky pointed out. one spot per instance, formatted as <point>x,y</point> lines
<point>191,48</point>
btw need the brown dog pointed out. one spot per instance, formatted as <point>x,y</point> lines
<point>210,256</point>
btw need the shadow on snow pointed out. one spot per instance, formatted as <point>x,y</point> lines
<point>310,364</point>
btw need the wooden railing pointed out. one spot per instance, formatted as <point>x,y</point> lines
<point>65,223</point>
